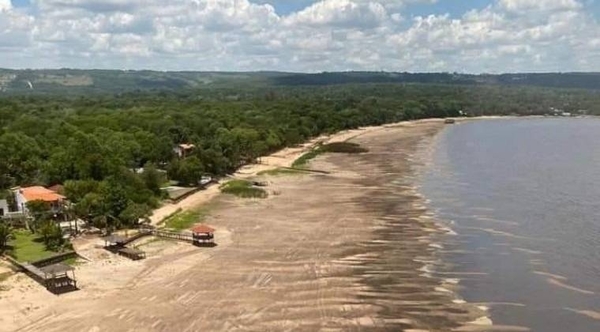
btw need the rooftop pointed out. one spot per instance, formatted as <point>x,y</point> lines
<point>39,193</point>
<point>202,229</point>
<point>57,269</point>
<point>187,146</point>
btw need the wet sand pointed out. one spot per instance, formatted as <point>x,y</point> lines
<point>348,251</point>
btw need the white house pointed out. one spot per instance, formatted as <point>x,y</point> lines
<point>37,193</point>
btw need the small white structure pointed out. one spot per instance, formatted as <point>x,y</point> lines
<point>183,150</point>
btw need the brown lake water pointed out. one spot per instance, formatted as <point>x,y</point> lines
<point>523,196</point>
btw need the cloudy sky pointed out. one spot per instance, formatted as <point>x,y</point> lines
<point>470,36</point>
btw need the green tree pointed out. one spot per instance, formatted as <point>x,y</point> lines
<point>40,211</point>
<point>5,235</point>
<point>51,234</point>
<point>134,213</point>
<point>190,171</point>
<point>153,179</point>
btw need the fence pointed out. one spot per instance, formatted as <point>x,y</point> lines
<point>55,259</point>
<point>173,235</point>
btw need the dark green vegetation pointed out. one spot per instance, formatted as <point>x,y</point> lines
<point>93,131</point>
<point>339,147</point>
<point>243,189</point>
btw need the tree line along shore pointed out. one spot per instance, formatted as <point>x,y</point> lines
<point>111,156</point>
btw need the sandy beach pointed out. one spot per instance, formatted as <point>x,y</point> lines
<point>348,251</point>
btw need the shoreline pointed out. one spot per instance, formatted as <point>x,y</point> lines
<point>353,250</point>
<point>285,158</point>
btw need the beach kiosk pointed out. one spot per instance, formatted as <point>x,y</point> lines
<point>57,278</point>
<point>203,235</point>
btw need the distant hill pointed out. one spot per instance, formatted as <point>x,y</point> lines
<point>74,81</point>
<point>553,80</point>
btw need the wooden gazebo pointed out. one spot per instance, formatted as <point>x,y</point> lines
<point>56,277</point>
<point>203,235</point>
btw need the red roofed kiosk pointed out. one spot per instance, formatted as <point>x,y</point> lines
<point>203,235</point>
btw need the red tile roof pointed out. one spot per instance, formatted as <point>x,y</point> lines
<point>202,229</point>
<point>40,194</point>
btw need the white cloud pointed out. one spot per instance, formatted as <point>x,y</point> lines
<point>340,13</point>
<point>507,35</point>
<point>5,5</point>
<point>545,5</point>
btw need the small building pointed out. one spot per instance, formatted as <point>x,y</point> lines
<point>57,278</point>
<point>203,235</point>
<point>183,150</point>
<point>38,193</point>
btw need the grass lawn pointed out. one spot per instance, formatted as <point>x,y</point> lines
<point>28,247</point>
<point>307,157</point>
<point>281,171</point>
<point>243,189</point>
<point>340,147</point>
<point>186,219</point>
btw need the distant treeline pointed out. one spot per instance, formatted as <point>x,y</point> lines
<point>95,144</point>
<point>85,82</point>
<point>554,80</point>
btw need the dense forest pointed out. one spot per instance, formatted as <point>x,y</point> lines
<point>95,144</point>
<point>86,82</point>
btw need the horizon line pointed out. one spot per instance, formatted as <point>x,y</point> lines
<point>302,73</point>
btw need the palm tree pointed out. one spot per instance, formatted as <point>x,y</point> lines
<point>5,235</point>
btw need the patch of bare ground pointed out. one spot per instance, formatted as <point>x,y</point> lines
<point>337,252</point>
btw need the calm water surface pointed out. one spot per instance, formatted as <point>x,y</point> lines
<point>524,197</point>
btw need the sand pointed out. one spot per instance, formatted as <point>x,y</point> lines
<point>347,251</point>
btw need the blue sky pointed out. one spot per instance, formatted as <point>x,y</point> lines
<point>474,36</point>
<point>453,7</point>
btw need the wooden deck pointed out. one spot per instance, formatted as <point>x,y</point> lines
<point>173,235</point>
<point>54,282</point>
<point>34,272</point>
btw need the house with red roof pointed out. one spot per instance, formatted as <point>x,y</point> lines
<point>38,193</point>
